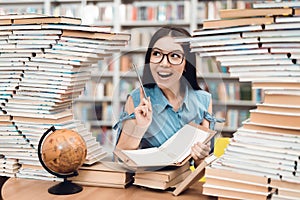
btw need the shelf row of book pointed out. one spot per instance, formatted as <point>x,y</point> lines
<point>102,114</point>
<point>207,67</point>
<point>222,91</point>
<point>104,88</point>
<point>4,10</point>
<point>89,111</point>
<point>158,11</point>
<point>103,12</point>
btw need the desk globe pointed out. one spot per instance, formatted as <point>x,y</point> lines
<point>61,152</point>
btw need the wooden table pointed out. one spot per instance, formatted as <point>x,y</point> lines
<point>28,189</point>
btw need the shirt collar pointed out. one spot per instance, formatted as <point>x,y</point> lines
<point>162,102</point>
<point>186,98</point>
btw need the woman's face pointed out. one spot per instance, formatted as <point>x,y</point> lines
<point>167,62</point>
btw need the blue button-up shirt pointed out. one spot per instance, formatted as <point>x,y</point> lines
<point>165,121</point>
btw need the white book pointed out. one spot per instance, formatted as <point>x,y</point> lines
<point>84,77</point>
<point>279,39</point>
<point>21,27</point>
<point>214,37</point>
<point>74,53</point>
<point>236,52</point>
<point>251,57</point>
<point>56,61</point>
<point>32,46</point>
<point>280,80</point>
<point>91,41</point>
<point>106,47</point>
<point>196,48</point>
<point>14,59</point>
<point>34,111</point>
<point>33,107</point>
<point>244,138</point>
<point>50,90</point>
<point>5,32</point>
<point>53,82</point>
<point>66,57</point>
<point>81,49</point>
<point>237,63</point>
<point>261,151</point>
<point>67,67</point>
<point>16,55</point>
<point>282,197</point>
<point>262,167</point>
<point>31,42</point>
<point>227,30</point>
<point>226,42</point>
<point>277,73</point>
<point>80,73</point>
<point>52,86</point>
<point>175,151</point>
<point>77,27</point>
<point>23,50</point>
<point>237,155</point>
<point>282,26</point>
<point>33,37</point>
<point>284,50</point>
<point>36,32</point>
<point>276,4</point>
<point>276,33</point>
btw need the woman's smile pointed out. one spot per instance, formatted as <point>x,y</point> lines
<point>164,74</point>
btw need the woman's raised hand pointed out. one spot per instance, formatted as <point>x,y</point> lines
<point>143,112</point>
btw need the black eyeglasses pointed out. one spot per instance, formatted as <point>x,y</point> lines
<point>173,57</point>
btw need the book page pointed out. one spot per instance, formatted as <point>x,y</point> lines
<point>148,157</point>
<point>179,146</point>
<point>172,152</point>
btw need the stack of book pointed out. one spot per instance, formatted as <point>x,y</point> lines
<point>8,167</point>
<point>104,174</point>
<point>260,45</point>
<point>162,179</point>
<point>45,62</point>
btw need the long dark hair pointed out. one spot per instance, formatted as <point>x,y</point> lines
<point>189,74</point>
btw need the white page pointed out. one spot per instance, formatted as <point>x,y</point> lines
<point>174,150</point>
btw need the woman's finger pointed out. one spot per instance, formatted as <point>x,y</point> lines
<point>141,94</point>
<point>200,150</point>
<point>147,103</point>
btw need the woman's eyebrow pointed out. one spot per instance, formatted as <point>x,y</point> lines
<point>176,50</point>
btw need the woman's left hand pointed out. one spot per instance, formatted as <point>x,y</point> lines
<point>199,151</point>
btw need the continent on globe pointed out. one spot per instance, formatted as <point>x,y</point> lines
<point>63,151</point>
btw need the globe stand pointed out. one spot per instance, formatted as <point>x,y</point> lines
<point>64,188</point>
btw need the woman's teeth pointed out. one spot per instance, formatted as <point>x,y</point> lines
<point>164,74</point>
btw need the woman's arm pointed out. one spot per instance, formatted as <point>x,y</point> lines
<point>205,122</point>
<point>200,151</point>
<point>134,129</point>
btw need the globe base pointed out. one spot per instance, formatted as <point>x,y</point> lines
<point>64,188</point>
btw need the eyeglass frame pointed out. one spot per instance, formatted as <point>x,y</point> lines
<point>167,55</point>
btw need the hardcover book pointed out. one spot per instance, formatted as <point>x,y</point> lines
<point>105,174</point>
<point>175,151</point>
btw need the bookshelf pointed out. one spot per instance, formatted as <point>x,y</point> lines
<point>105,93</point>
<point>23,6</point>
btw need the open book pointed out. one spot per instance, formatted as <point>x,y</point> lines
<point>175,151</point>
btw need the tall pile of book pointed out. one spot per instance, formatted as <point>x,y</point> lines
<point>260,45</point>
<point>45,62</point>
<point>162,179</point>
<point>104,174</point>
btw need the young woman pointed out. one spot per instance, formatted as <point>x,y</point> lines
<point>174,97</point>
